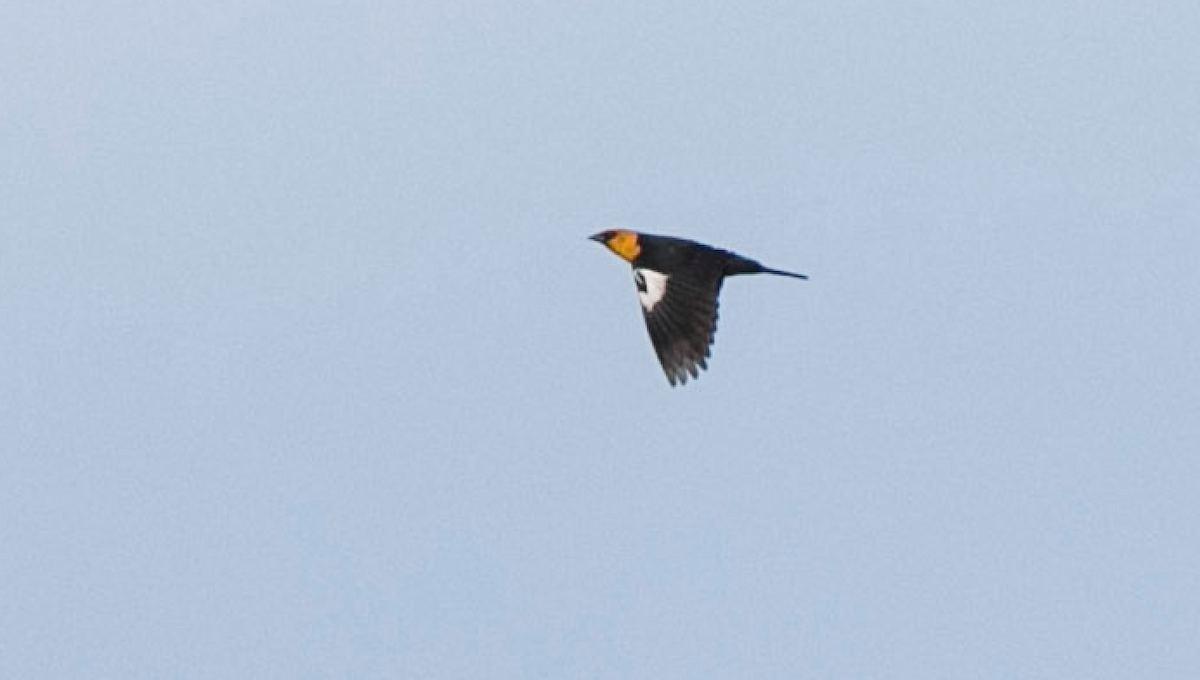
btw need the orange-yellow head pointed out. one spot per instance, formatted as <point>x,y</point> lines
<point>621,241</point>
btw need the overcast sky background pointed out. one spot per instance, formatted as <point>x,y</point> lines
<point>309,370</point>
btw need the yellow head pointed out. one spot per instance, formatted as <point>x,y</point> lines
<point>622,242</point>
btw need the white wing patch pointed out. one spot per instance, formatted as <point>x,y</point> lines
<point>651,286</point>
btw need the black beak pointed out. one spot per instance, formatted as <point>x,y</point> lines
<point>598,238</point>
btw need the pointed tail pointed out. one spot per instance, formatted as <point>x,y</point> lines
<point>780,272</point>
<point>744,265</point>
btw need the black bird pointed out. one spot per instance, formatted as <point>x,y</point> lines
<point>678,282</point>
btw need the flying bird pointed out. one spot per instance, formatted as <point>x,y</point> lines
<point>678,282</point>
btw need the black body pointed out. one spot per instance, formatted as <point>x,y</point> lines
<point>683,324</point>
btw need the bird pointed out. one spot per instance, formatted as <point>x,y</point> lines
<point>678,282</point>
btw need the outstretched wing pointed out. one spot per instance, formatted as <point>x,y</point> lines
<point>681,315</point>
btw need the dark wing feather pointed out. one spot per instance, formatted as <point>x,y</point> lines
<point>683,325</point>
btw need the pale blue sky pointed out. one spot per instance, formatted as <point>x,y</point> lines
<point>309,370</point>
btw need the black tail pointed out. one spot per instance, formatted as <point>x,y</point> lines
<point>742,265</point>
<point>780,272</point>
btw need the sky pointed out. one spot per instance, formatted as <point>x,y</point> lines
<point>310,371</point>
